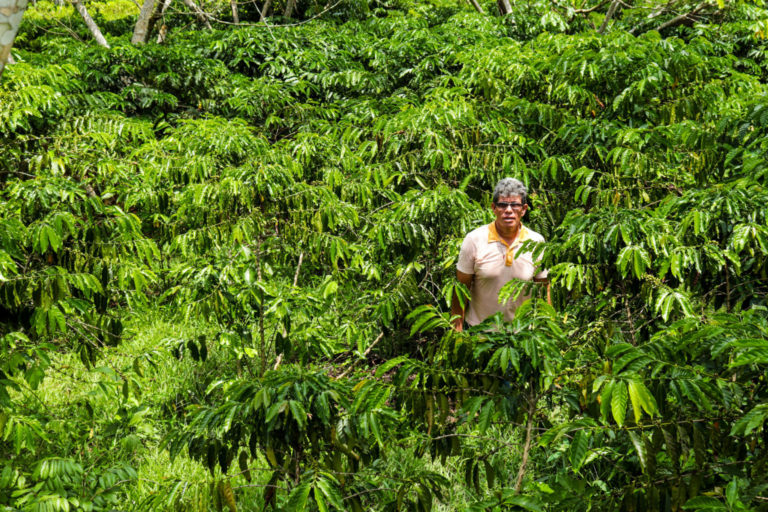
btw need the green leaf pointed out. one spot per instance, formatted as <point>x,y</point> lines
<point>751,421</point>
<point>486,415</point>
<point>330,289</point>
<point>525,502</point>
<point>331,492</point>
<point>732,493</point>
<point>605,400</point>
<point>388,365</point>
<point>577,452</point>
<point>623,260</point>
<point>320,500</point>
<point>641,398</point>
<point>637,442</point>
<point>490,474</point>
<point>53,237</point>
<point>619,402</point>
<point>56,320</point>
<point>298,413</point>
<point>704,503</point>
<point>641,261</point>
<point>298,498</point>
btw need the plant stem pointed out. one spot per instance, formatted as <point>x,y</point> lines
<point>298,268</point>
<point>532,399</point>
<point>262,343</point>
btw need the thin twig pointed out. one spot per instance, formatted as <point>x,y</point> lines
<point>591,9</point>
<point>365,354</point>
<point>258,485</point>
<point>263,18</point>
<point>674,21</point>
<point>677,20</point>
<point>298,267</point>
<point>367,491</point>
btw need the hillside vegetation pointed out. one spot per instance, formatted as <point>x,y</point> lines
<point>227,259</point>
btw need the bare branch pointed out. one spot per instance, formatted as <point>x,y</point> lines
<point>92,27</point>
<point>298,268</point>
<point>608,16</point>
<point>682,18</point>
<point>203,17</point>
<point>677,20</point>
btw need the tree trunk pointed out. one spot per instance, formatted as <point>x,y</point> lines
<point>92,27</point>
<point>11,12</point>
<point>265,11</point>
<point>235,17</point>
<point>504,7</point>
<point>157,12</point>
<point>289,5</point>
<point>142,28</point>
<point>199,13</point>
<point>477,6</point>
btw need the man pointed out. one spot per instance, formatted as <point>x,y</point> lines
<point>490,258</point>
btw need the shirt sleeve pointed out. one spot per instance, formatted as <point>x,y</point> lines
<point>466,262</point>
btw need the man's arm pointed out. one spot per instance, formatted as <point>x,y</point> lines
<point>456,309</point>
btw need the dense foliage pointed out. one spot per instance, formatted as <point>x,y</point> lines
<point>236,251</point>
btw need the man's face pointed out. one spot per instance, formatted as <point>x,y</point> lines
<point>509,211</point>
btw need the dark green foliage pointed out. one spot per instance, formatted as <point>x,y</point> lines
<point>299,194</point>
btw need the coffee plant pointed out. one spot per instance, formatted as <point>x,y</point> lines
<point>227,257</point>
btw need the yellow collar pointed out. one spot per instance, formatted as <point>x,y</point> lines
<point>522,235</point>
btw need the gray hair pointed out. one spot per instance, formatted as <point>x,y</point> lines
<point>510,187</point>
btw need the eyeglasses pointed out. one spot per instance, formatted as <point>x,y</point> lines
<point>514,206</point>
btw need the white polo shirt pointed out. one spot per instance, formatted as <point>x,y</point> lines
<point>493,263</point>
